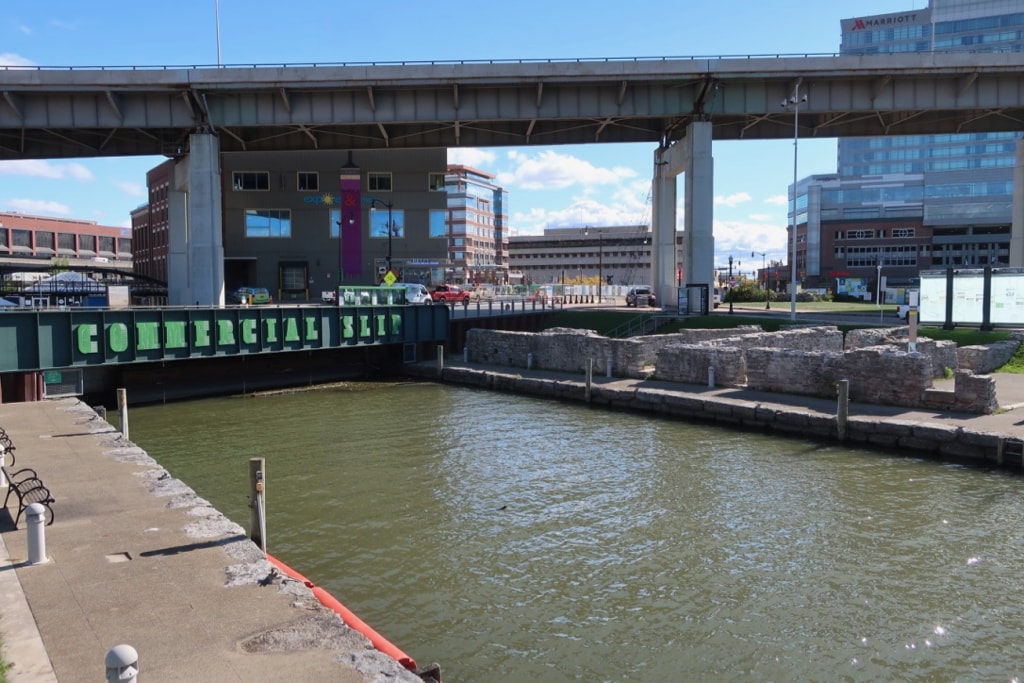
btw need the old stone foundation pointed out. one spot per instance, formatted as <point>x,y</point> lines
<point>811,361</point>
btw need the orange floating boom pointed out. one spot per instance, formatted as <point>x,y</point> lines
<point>329,601</point>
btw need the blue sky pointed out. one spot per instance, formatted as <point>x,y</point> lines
<point>566,186</point>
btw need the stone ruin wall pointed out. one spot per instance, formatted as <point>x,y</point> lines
<point>806,361</point>
<point>943,354</point>
<point>985,359</point>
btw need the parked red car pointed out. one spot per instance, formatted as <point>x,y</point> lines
<point>449,293</point>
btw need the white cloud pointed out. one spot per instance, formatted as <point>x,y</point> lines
<point>734,199</point>
<point>741,238</point>
<point>25,30</point>
<point>38,207</point>
<point>131,189</point>
<point>778,200</point>
<point>550,170</point>
<point>467,156</point>
<point>38,168</point>
<point>11,59</point>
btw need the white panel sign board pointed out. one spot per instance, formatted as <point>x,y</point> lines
<point>1007,307</point>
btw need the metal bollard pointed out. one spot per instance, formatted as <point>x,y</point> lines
<point>122,664</point>
<point>122,410</point>
<point>465,354</point>
<point>529,361</point>
<point>440,360</point>
<point>608,367</point>
<point>35,521</point>
<point>711,376</point>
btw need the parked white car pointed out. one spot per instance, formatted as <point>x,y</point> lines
<point>416,294</point>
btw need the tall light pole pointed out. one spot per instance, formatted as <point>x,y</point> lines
<point>878,287</point>
<point>764,274</point>
<point>794,102</point>
<point>729,291</point>
<point>391,225</point>
<point>600,260</point>
<point>216,9</point>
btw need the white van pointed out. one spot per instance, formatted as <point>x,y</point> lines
<point>416,293</point>
<point>717,298</point>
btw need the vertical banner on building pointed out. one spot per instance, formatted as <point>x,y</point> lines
<point>351,232</point>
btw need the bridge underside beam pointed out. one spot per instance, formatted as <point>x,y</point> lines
<point>75,113</point>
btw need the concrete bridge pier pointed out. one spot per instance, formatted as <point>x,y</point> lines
<point>692,157</point>
<point>195,248</point>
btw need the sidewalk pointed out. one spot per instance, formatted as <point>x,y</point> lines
<point>136,558</point>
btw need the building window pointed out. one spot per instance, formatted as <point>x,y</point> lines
<point>251,180</point>
<point>268,223</point>
<point>308,182</point>
<point>439,223</point>
<point>21,240</point>
<point>66,243</point>
<point>44,242</point>
<point>435,182</point>
<point>379,223</point>
<point>902,232</point>
<point>860,234</point>
<point>378,182</point>
<point>334,215</point>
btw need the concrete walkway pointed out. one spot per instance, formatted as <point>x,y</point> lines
<point>137,558</point>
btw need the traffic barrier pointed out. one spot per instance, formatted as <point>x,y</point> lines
<point>348,616</point>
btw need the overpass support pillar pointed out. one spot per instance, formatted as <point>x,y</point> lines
<point>195,262</point>
<point>692,157</point>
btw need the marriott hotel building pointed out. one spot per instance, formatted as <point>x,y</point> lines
<point>912,203</point>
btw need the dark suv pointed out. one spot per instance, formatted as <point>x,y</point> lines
<point>639,296</point>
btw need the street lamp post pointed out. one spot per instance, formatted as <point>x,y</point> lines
<point>600,260</point>
<point>794,102</point>
<point>391,225</point>
<point>764,274</point>
<point>878,289</point>
<point>729,294</point>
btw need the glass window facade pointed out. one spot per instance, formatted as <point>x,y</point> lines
<point>268,223</point>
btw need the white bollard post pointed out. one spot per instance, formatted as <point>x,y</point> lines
<point>122,664</point>
<point>35,522</point>
<point>440,360</point>
<point>608,367</point>
<point>711,376</point>
<point>3,465</point>
<point>122,410</point>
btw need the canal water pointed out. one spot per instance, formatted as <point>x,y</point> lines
<point>512,538</point>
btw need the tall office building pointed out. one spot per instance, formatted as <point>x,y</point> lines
<point>910,203</point>
<point>478,227</point>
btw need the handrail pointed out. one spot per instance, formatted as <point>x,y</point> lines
<point>447,62</point>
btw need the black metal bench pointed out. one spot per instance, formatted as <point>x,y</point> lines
<point>26,485</point>
<point>6,447</point>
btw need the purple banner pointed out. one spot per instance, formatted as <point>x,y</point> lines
<point>351,226</point>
